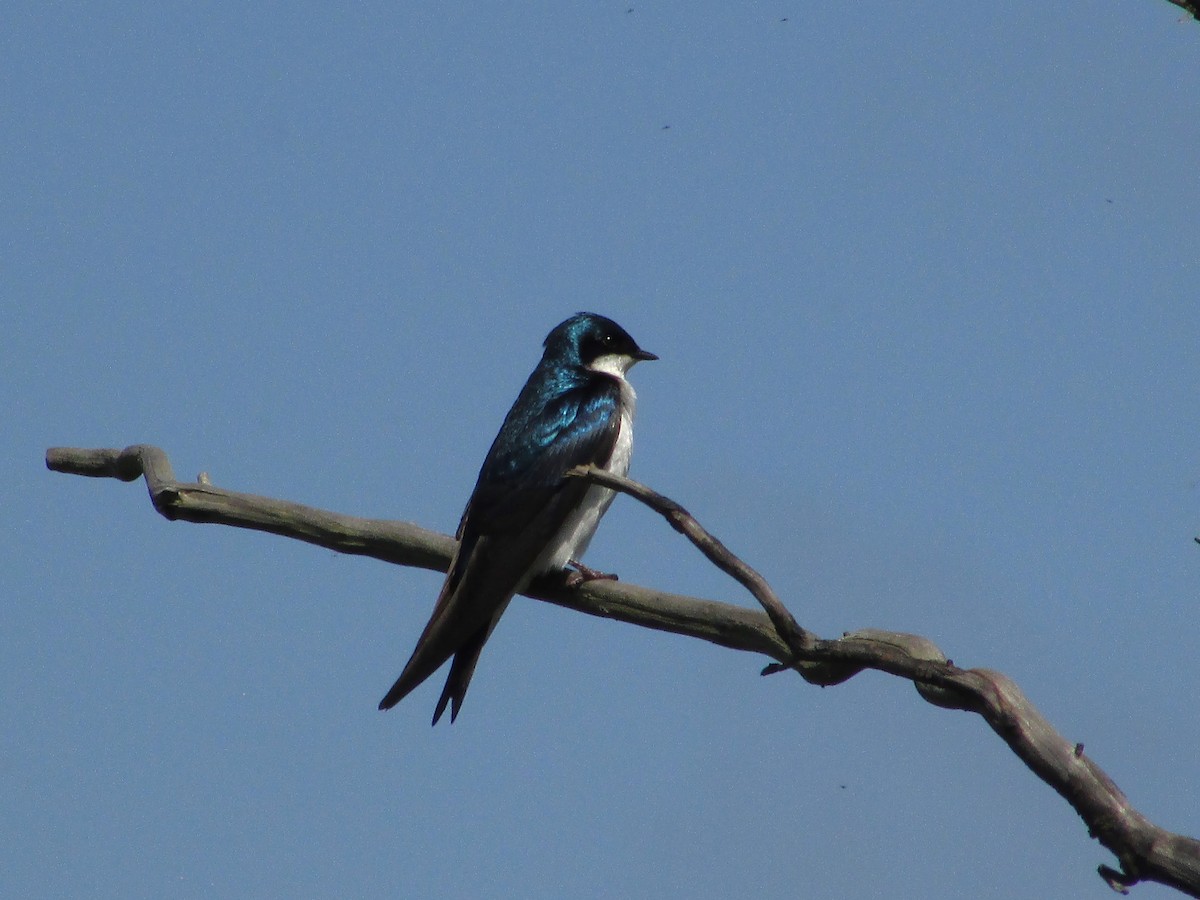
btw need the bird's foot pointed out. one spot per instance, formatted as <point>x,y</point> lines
<point>585,573</point>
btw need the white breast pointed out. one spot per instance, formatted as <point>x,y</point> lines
<point>576,533</point>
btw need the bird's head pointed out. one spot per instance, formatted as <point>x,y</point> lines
<point>594,342</point>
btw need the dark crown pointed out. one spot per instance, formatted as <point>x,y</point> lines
<point>586,337</point>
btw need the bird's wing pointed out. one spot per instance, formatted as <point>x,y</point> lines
<point>523,472</point>
<point>519,504</point>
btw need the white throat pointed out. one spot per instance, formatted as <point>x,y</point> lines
<point>615,364</point>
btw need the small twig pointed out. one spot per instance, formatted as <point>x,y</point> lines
<point>1118,881</point>
<point>797,639</point>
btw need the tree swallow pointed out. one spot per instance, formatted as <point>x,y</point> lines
<point>524,516</point>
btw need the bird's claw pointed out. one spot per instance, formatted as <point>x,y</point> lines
<point>584,574</point>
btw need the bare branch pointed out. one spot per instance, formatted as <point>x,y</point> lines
<point>410,545</point>
<point>1144,851</point>
<point>797,639</point>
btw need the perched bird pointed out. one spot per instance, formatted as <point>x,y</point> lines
<point>524,516</point>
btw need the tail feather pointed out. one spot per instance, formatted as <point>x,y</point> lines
<point>410,678</point>
<point>484,575</point>
<point>426,660</point>
<point>461,671</point>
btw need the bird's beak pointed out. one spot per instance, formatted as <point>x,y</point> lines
<point>644,355</point>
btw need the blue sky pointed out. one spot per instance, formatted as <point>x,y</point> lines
<point>924,285</point>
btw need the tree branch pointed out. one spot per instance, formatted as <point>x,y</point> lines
<point>797,639</point>
<point>1144,851</point>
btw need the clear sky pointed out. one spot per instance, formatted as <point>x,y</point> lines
<point>924,281</point>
